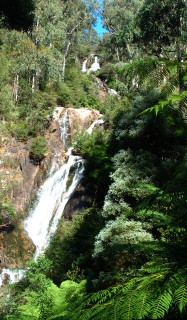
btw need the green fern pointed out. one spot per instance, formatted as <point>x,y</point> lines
<point>180,297</point>
<point>152,294</point>
<point>170,101</point>
<point>161,306</point>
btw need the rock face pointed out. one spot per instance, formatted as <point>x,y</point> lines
<point>20,179</point>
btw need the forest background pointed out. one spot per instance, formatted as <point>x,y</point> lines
<point>124,257</point>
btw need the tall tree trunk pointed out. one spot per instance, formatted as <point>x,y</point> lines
<point>16,87</point>
<point>64,60</point>
<point>117,53</point>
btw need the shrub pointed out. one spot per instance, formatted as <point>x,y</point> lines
<point>19,130</point>
<point>37,149</point>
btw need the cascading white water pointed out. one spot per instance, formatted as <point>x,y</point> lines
<point>95,66</point>
<point>84,66</point>
<point>64,129</point>
<point>96,123</point>
<point>53,196</point>
<point>11,276</point>
<point>51,199</point>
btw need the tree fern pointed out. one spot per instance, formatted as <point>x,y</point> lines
<point>180,297</point>
<point>161,306</point>
<point>152,294</point>
<point>143,305</point>
<point>172,100</point>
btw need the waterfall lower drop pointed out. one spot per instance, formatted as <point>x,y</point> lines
<point>53,195</point>
<point>51,200</point>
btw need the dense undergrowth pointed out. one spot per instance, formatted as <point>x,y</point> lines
<point>124,257</point>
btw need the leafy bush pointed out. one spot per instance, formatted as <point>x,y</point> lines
<point>120,232</point>
<point>37,149</point>
<point>94,148</point>
<point>19,130</point>
<point>78,90</point>
<point>9,208</point>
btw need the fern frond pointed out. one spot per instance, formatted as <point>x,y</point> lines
<point>171,100</point>
<point>180,297</point>
<point>126,306</point>
<point>143,304</point>
<point>161,306</point>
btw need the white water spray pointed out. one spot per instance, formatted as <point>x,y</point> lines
<point>11,275</point>
<point>53,196</point>
<point>96,123</point>
<point>95,66</point>
<point>84,66</point>
<point>51,200</point>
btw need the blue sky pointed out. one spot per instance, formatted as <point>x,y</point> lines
<point>99,28</point>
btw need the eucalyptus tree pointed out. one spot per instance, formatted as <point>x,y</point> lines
<point>79,20</point>
<point>162,27</point>
<point>118,18</point>
<point>56,32</point>
<point>162,33</point>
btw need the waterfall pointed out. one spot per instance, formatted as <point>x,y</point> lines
<point>11,276</point>
<point>64,129</point>
<point>96,123</point>
<point>95,66</point>
<point>53,195</point>
<point>112,92</point>
<point>84,66</point>
<point>51,200</point>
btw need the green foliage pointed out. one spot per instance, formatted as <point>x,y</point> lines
<point>7,216</point>
<point>71,257</point>
<point>152,294</point>
<point>37,298</point>
<point>9,208</point>
<point>120,232</point>
<point>94,148</point>
<point>118,17</point>
<point>19,130</point>
<point>78,89</point>
<point>37,149</point>
<point>6,103</point>
<point>172,100</point>
<point>160,22</point>
<point>131,246</point>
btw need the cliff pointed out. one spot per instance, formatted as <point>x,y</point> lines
<point>20,179</point>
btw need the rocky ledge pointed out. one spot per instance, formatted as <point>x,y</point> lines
<point>20,179</point>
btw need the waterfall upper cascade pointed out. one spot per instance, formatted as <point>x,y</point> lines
<point>96,123</point>
<point>95,66</point>
<point>84,66</point>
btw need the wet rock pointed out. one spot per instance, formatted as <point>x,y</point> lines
<point>79,201</point>
<point>26,178</point>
